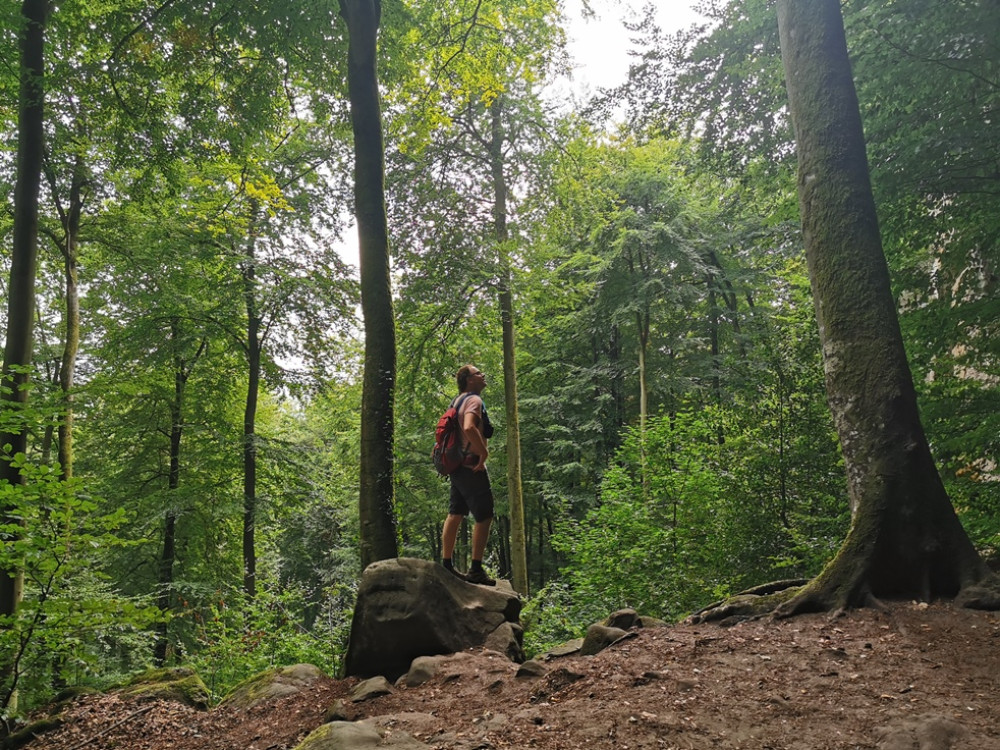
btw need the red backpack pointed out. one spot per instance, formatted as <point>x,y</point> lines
<point>447,454</point>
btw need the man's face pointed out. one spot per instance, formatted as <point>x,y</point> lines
<point>477,380</point>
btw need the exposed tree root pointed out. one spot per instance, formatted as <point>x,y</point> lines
<point>754,603</point>
<point>30,733</point>
<point>775,586</point>
<point>982,595</point>
<point>783,599</point>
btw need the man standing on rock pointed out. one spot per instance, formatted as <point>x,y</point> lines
<point>470,483</point>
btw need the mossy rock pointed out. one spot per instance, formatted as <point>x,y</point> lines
<point>273,684</point>
<point>338,735</point>
<point>31,732</point>
<point>179,684</point>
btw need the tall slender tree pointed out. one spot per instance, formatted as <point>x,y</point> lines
<point>376,502</point>
<point>68,241</point>
<point>183,364</point>
<point>253,345</point>
<point>515,493</point>
<point>21,295</point>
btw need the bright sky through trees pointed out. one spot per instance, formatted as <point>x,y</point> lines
<point>600,45</point>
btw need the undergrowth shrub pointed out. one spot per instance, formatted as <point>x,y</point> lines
<point>71,627</point>
<point>236,639</point>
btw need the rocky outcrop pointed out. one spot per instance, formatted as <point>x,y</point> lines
<point>623,623</point>
<point>274,683</point>
<point>408,608</point>
<point>599,637</point>
<point>629,618</point>
<point>179,684</point>
<point>487,665</point>
<point>340,735</point>
<point>373,687</point>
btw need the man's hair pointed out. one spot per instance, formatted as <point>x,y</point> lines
<point>462,377</point>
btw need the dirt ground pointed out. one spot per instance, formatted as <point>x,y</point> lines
<point>912,677</point>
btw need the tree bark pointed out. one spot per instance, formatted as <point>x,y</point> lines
<point>253,346</point>
<point>711,284</point>
<point>165,568</point>
<point>640,268</point>
<point>69,216</point>
<point>21,291</point>
<point>67,369</point>
<point>905,540</point>
<point>642,326</point>
<point>515,495</point>
<point>376,497</point>
<point>165,581</point>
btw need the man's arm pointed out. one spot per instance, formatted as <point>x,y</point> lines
<point>477,443</point>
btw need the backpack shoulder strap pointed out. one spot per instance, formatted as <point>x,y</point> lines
<point>460,399</point>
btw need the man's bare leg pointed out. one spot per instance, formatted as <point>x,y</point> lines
<point>449,535</point>
<point>480,535</point>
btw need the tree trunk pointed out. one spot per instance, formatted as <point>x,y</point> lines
<point>905,540</point>
<point>67,370</point>
<point>165,580</point>
<point>614,353</point>
<point>253,346</point>
<point>640,270</point>
<point>21,290</point>
<point>69,216</point>
<point>167,555</point>
<point>165,569</point>
<point>515,496</point>
<point>376,497</point>
<point>541,548</point>
<point>433,535</point>
<point>504,564</point>
<point>716,351</point>
<point>642,324</point>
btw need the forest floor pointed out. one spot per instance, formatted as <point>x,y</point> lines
<point>910,677</point>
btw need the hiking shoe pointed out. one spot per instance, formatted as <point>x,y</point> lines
<point>460,576</point>
<point>479,576</point>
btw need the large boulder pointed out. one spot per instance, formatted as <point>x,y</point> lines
<point>408,608</point>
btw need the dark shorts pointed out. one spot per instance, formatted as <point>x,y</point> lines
<point>471,493</point>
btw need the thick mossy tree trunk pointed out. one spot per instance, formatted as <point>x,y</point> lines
<point>376,501</point>
<point>905,540</point>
